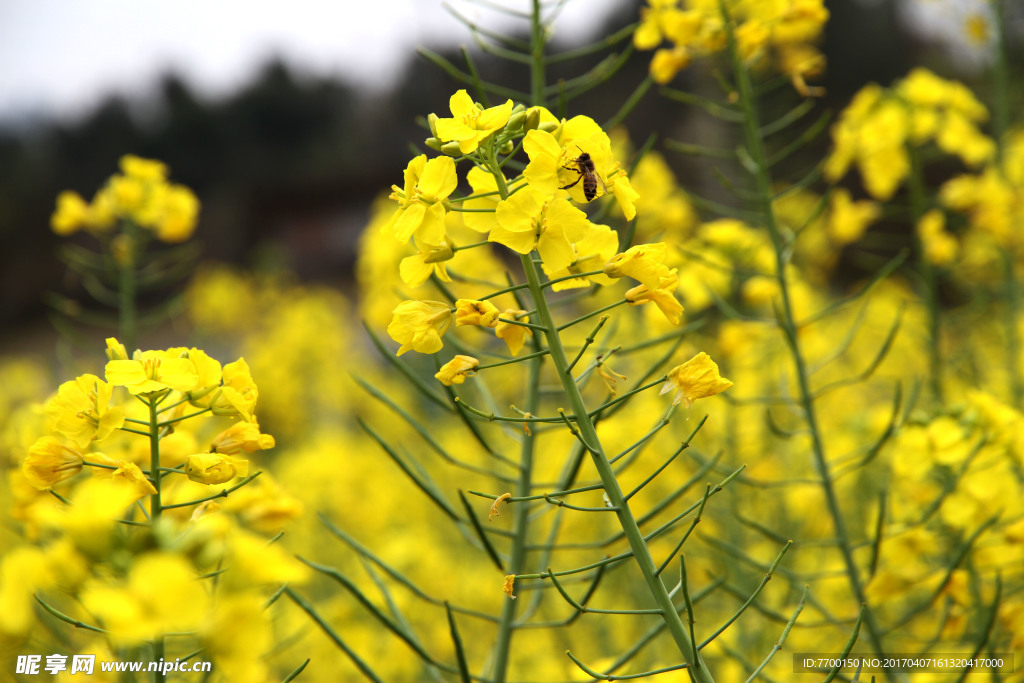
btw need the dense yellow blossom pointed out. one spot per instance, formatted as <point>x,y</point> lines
<point>161,595</point>
<point>878,125</point>
<point>140,194</point>
<point>785,31</point>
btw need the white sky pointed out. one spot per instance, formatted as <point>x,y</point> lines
<point>61,57</point>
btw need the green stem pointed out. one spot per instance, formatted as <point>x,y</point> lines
<point>510,361</point>
<point>617,500</point>
<point>537,60</point>
<point>759,159</point>
<point>929,275</point>
<point>126,289</point>
<point>155,506</point>
<point>521,522</point>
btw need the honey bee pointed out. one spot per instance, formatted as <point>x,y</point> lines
<point>584,165</point>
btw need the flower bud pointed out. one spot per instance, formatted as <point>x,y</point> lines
<point>432,122</point>
<point>507,147</point>
<point>116,350</point>
<point>516,122</point>
<point>532,119</point>
<point>434,144</point>
<point>452,149</point>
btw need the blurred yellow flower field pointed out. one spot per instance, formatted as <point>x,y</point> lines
<point>577,422</point>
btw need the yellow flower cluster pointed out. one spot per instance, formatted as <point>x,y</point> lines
<point>993,198</point>
<point>81,415</point>
<point>879,125</point>
<point>570,163</point>
<point>784,32</point>
<point>132,572</point>
<point>141,194</point>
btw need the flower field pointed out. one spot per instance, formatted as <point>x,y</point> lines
<point>578,421</point>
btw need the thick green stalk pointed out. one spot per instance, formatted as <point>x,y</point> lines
<point>155,507</point>
<point>537,61</point>
<point>520,529</point>
<point>759,159</point>
<point>641,553</point>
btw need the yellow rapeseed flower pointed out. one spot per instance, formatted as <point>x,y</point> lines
<point>480,216</point>
<point>940,247</point>
<point>471,124</point>
<point>150,371</point>
<point>419,325</point>
<point>513,335</point>
<point>215,468</point>
<point>429,259</point>
<point>88,522</point>
<point>23,571</point>
<point>162,594</point>
<point>530,219</point>
<point>849,220</point>
<point>590,253</point>
<point>131,473</point>
<point>147,170</point>
<point>50,461</point>
<point>457,370</point>
<point>241,436</point>
<point>555,164</point>
<point>237,395</point>
<point>662,296</point>
<point>71,214</point>
<point>421,210</point>
<point>694,379</point>
<point>81,410</point>
<point>470,312</point>
<point>643,262</point>
<point>178,214</point>
<point>238,636</point>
